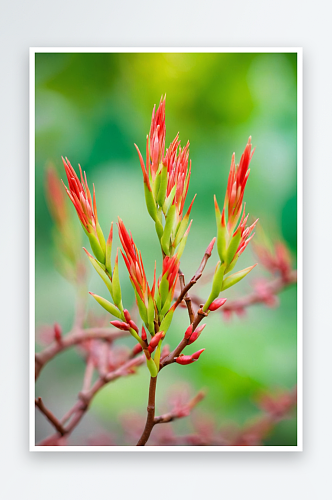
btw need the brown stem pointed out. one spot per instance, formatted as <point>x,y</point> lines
<point>193,280</point>
<point>187,297</point>
<point>184,342</point>
<point>182,412</point>
<point>75,414</point>
<point>150,413</point>
<point>50,417</point>
<point>169,359</point>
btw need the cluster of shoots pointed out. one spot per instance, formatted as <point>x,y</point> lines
<point>166,176</point>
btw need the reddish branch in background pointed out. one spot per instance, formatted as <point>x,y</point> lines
<point>166,176</point>
<point>205,430</point>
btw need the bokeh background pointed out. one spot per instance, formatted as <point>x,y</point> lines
<point>91,108</point>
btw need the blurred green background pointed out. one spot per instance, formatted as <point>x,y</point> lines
<point>91,108</point>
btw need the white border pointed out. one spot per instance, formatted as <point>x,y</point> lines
<point>32,250</point>
<point>298,50</point>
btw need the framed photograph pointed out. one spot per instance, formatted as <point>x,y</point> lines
<point>166,249</point>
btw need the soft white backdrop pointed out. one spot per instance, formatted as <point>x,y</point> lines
<point>172,23</point>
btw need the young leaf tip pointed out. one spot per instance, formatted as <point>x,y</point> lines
<point>210,247</point>
<point>197,354</point>
<point>216,304</point>
<point>88,253</point>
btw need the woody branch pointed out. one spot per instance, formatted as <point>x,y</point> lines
<point>272,288</point>
<point>195,320</point>
<point>76,413</point>
<point>73,338</point>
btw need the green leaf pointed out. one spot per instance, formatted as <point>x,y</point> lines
<point>183,242</point>
<point>108,254</point>
<point>157,299</point>
<point>222,236</point>
<point>217,285</point>
<point>166,306</point>
<point>150,203</point>
<point>236,277</point>
<point>181,230</point>
<point>101,238</point>
<point>166,322</point>
<point>152,367</point>
<point>163,290</point>
<point>101,271</point>
<point>141,307</point>
<point>96,248</point>
<point>169,200</point>
<point>163,186</point>
<point>231,265</point>
<point>233,246</point>
<point>151,315</point>
<point>156,357</point>
<point>156,184</point>
<point>159,228</point>
<point>108,306</point>
<point>165,239</point>
<point>218,280</point>
<point>117,297</point>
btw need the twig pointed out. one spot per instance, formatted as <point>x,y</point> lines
<point>50,417</point>
<point>183,412</point>
<point>167,417</point>
<point>88,374</point>
<point>200,315</point>
<point>75,414</point>
<point>75,337</point>
<point>195,320</point>
<point>252,433</point>
<point>150,413</point>
<point>187,297</point>
<point>274,287</point>
<point>193,280</point>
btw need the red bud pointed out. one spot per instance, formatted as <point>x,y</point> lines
<point>155,340</point>
<point>208,251</point>
<point>184,360</point>
<point>120,325</point>
<point>143,333</point>
<point>197,354</point>
<point>133,325</point>
<point>216,304</point>
<point>57,332</point>
<point>187,360</point>
<point>137,349</point>
<point>196,334</point>
<point>127,315</point>
<point>188,332</point>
